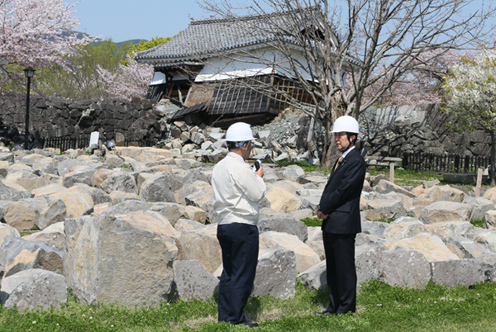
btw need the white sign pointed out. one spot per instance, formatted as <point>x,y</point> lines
<point>94,140</point>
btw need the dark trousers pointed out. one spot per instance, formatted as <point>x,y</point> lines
<point>341,273</point>
<point>239,243</point>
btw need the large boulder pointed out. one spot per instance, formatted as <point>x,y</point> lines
<point>466,272</point>
<point>82,174</point>
<point>121,181</point>
<point>454,228</point>
<point>10,191</point>
<point>385,186</point>
<point>405,268</point>
<point>431,246</point>
<point>21,215</point>
<point>77,200</point>
<point>99,176</point>
<point>111,259</point>
<point>446,211</point>
<point>33,288</point>
<point>480,206</point>
<point>202,197</point>
<point>305,256</point>
<point>160,188</point>
<point>20,254</point>
<point>385,209</point>
<point>271,220</point>
<point>171,211</point>
<point>368,262</point>
<point>488,262</point>
<point>487,239</point>
<point>28,180</point>
<point>404,230</point>
<point>55,213</point>
<point>315,277</point>
<point>7,230</point>
<point>53,235</point>
<point>194,213</point>
<point>276,274</point>
<point>193,281</point>
<point>464,248</point>
<point>201,245</point>
<point>444,193</point>
<point>490,219</point>
<point>283,200</point>
<point>491,194</point>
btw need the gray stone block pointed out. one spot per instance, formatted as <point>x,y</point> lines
<point>32,288</point>
<point>192,280</point>
<point>315,277</point>
<point>466,272</point>
<point>271,220</point>
<point>488,261</point>
<point>368,262</point>
<point>405,268</point>
<point>276,274</point>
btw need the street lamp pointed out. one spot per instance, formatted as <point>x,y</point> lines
<point>29,72</point>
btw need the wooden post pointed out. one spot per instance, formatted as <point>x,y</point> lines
<point>391,172</point>
<point>479,183</point>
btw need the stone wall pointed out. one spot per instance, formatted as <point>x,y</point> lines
<point>57,117</point>
<point>393,130</point>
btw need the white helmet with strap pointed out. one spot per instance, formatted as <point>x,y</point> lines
<point>346,124</point>
<point>239,132</point>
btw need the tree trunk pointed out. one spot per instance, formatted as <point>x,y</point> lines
<point>493,157</point>
<point>326,143</point>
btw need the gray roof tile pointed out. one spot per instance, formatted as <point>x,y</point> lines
<point>207,36</point>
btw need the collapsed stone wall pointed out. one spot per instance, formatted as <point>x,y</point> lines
<point>393,130</point>
<point>389,131</point>
<point>58,117</point>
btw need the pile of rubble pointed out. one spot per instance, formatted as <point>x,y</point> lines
<point>149,211</point>
<point>283,139</point>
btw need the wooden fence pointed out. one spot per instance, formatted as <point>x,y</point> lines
<point>66,143</point>
<point>444,163</point>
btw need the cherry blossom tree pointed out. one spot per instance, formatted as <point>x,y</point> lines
<point>127,81</point>
<point>422,84</point>
<point>36,33</point>
<point>471,94</point>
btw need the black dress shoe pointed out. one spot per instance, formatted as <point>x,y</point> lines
<point>326,313</point>
<point>250,325</point>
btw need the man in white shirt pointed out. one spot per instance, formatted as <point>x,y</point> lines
<point>237,192</point>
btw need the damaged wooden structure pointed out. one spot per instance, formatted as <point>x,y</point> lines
<point>211,69</point>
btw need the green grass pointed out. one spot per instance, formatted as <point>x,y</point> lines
<point>312,222</point>
<point>379,308</point>
<point>386,220</point>
<point>478,222</point>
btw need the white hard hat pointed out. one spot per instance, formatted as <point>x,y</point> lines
<point>346,124</point>
<point>239,132</point>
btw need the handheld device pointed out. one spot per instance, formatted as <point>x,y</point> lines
<point>256,165</point>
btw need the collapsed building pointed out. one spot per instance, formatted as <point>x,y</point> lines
<point>219,70</point>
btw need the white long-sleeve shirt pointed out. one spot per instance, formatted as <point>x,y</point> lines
<point>237,191</point>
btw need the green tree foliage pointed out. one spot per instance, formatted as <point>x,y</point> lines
<point>82,81</point>
<point>145,45</point>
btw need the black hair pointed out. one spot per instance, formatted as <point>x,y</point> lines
<point>351,134</point>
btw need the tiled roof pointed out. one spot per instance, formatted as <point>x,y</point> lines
<point>207,36</point>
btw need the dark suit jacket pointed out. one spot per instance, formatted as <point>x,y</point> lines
<point>341,196</point>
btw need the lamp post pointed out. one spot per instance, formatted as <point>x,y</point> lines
<point>29,72</point>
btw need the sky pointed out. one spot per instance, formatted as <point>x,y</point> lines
<point>124,20</point>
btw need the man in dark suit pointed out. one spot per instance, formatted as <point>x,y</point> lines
<point>339,209</point>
